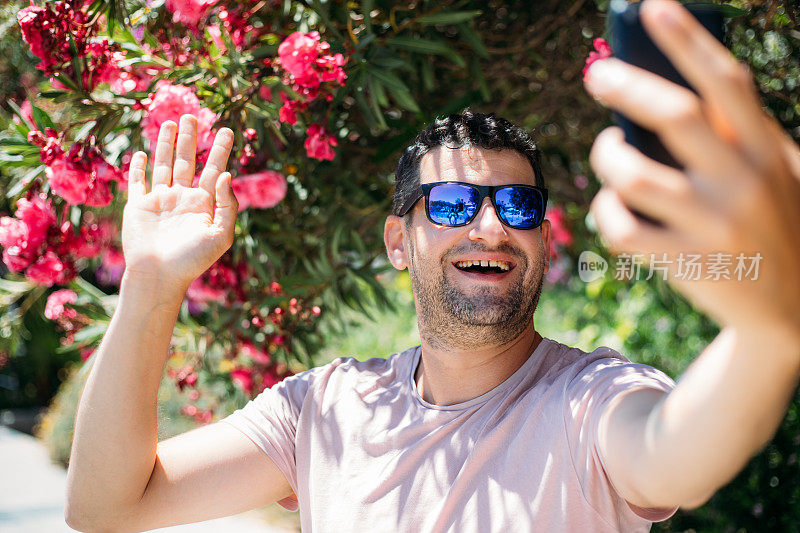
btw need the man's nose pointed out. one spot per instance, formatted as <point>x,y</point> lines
<point>487,226</point>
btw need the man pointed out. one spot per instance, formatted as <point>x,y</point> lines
<point>487,426</point>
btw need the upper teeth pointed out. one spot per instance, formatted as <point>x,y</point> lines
<point>502,265</point>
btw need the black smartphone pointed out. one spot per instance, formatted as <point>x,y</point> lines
<point>631,43</point>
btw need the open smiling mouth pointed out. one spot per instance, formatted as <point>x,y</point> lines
<point>484,267</point>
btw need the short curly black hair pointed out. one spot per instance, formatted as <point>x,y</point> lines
<point>457,130</point>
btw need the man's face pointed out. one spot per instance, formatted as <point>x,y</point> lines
<point>456,301</point>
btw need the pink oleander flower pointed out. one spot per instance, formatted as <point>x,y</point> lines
<point>223,282</point>
<point>169,103</point>
<point>269,378</point>
<point>102,63</point>
<point>82,177</point>
<point>190,12</point>
<point>55,307</point>
<point>248,349</point>
<point>49,270</point>
<point>67,181</point>
<point>112,267</point>
<point>14,239</point>
<point>261,190</point>
<point>91,239</point>
<point>22,237</point>
<point>38,215</point>
<point>298,55</point>
<point>51,32</point>
<point>307,61</point>
<point>132,79</point>
<point>243,377</point>
<point>559,232</point>
<point>320,143</point>
<point>288,111</point>
<point>603,50</point>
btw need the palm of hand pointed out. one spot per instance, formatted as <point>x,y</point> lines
<point>175,232</point>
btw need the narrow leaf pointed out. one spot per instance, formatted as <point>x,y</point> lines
<point>451,17</point>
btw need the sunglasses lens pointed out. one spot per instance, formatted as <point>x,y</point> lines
<point>520,207</point>
<point>452,204</point>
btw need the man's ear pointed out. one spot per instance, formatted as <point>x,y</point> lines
<point>547,242</point>
<point>393,239</point>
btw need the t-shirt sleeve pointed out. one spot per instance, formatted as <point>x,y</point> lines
<point>270,421</point>
<point>589,394</point>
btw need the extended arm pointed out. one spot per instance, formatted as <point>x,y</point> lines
<point>120,477</point>
<point>678,449</point>
<point>738,194</point>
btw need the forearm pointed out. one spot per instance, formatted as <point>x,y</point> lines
<point>114,444</point>
<point>726,407</point>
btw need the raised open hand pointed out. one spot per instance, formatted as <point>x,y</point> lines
<point>174,232</point>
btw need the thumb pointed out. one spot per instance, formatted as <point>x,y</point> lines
<point>226,204</point>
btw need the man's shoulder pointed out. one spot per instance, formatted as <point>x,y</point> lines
<point>573,360</point>
<point>347,367</point>
<point>605,366</point>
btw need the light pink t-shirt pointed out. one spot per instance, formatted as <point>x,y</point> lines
<point>364,452</point>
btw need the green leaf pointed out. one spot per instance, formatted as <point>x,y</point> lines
<point>64,79</point>
<point>428,79</point>
<point>473,39</point>
<point>729,11</point>
<point>405,100</point>
<point>17,111</point>
<point>477,73</point>
<point>426,46</point>
<point>41,118</point>
<point>388,79</point>
<point>22,184</point>
<point>376,87</point>
<point>451,17</point>
<point>368,113</point>
<point>14,141</point>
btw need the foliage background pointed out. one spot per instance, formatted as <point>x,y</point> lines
<point>531,73</point>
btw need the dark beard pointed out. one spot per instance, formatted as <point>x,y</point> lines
<point>449,318</point>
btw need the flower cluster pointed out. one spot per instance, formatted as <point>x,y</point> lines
<point>169,102</point>
<point>319,143</point>
<point>224,283</point>
<point>36,243</point>
<point>308,66</point>
<point>53,30</point>
<point>80,176</point>
<point>190,12</point>
<point>560,238</point>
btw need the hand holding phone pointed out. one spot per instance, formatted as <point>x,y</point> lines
<point>631,43</point>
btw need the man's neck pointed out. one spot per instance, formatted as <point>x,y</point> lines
<point>447,377</point>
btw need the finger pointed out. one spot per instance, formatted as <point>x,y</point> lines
<point>226,206</point>
<point>162,164</point>
<point>723,82</point>
<point>673,112</point>
<point>137,176</point>
<point>652,188</point>
<point>624,232</point>
<point>185,152</point>
<point>217,160</point>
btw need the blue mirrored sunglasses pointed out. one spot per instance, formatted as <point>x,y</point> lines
<point>455,203</point>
